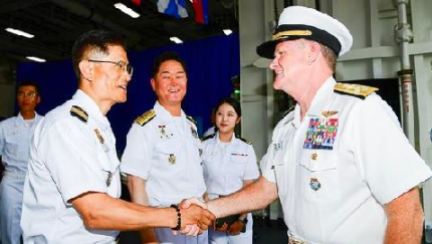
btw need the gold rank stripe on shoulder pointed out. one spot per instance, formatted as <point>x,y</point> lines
<point>191,119</point>
<point>356,90</point>
<point>145,117</point>
<point>79,113</point>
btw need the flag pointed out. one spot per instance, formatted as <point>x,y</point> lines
<point>201,11</point>
<point>175,8</point>
<point>136,2</point>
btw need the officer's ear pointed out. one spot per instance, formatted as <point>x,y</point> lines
<point>314,51</point>
<point>86,69</point>
<point>153,84</point>
<point>238,120</point>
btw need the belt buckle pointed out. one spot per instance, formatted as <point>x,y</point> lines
<point>293,240</point>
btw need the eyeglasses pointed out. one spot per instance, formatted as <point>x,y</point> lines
<point>125,67</point>
<point>27,94</point>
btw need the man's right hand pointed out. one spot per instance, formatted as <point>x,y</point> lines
<point>196,215</point>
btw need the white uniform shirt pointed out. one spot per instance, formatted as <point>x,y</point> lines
<point>166,153</point>
<point>335,169</point>
<point>69,156</point>
<point>227,165</point>
<point>15,137</point>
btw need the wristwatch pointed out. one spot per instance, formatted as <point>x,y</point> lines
<point>244,219</point>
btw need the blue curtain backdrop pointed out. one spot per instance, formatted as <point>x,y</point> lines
<point>211,63</point>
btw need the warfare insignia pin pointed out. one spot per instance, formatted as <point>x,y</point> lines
<point>314,184</point>
<point>328,113</point>
<point>172,158</point>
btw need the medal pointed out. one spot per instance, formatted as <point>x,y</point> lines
<point>172,158</point>
<point>314,184</point>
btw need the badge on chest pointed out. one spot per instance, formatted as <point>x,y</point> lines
<point>321,131</point>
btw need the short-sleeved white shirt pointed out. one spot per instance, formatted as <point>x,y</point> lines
<point>69,156</point>
<point>166,152</point>
<point>15,137</point>
<point>227,165</point>
<point>337,167</point>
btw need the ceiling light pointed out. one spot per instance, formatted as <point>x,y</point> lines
<point>40,60</point>
<point>126,10</point>
<point>19,32</point>
<point>227,32</point>
<point>176,39</point>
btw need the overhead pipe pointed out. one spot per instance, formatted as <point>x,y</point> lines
<point>83,11</point>
<point>403,36</point>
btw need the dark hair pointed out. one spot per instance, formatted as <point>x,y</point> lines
<point>28,83</point>
<point>165,57</point>
<point>94,40</point>
<point>231,101</point>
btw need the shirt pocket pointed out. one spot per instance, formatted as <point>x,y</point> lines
<point>13,145</point>
<point>319,176</point>
<point>167,153</point>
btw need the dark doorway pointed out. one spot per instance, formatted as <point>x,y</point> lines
<point>388,90</point>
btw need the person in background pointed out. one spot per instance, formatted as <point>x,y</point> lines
<point>339,161</point>
<point>162,157</point>
<point>229,165</point>
<point>73,184</point>
<point>15,137</point>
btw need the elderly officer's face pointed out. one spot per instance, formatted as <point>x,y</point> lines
<point>289,64</point>
<point>169,83</point>
<point>111,76</point>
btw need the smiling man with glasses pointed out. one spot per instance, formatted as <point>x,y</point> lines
<point>73,185</point>
<point>125,67</point>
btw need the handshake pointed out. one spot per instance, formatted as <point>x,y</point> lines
<point>193,217</point>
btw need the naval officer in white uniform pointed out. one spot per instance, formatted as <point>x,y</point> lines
<point>162,157</point>
<point>339,162</point>
<point>229,165</point>
<point>73,184</point>
<point>15,137</point>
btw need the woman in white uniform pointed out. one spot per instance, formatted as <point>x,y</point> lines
<point>229,165</point>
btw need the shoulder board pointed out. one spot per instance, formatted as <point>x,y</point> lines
<point>288,111</point>
<point>145,117</point>
<point>208,137</point>
<point>244,140</point>
<point>191,119</point>
<point>80,113</point>
<point>360,91</point>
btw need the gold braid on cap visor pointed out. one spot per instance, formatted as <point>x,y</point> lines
<point>288,33</point>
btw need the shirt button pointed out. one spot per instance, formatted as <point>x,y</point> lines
<point>314,156</point>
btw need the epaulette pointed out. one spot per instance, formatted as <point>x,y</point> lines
<point>80,113</point>
<point>360,91</point>
<point>145,117</point>
<point>244,140</point>
<point>288,111</point>
<point>208,137</point>
<point>191,119</point>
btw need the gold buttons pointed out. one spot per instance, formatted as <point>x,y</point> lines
<point>314,156</point>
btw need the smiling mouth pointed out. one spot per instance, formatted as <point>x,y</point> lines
<point>124,87</point>
<point>173,90</point>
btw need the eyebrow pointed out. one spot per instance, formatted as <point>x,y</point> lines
<point>168,72</point>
